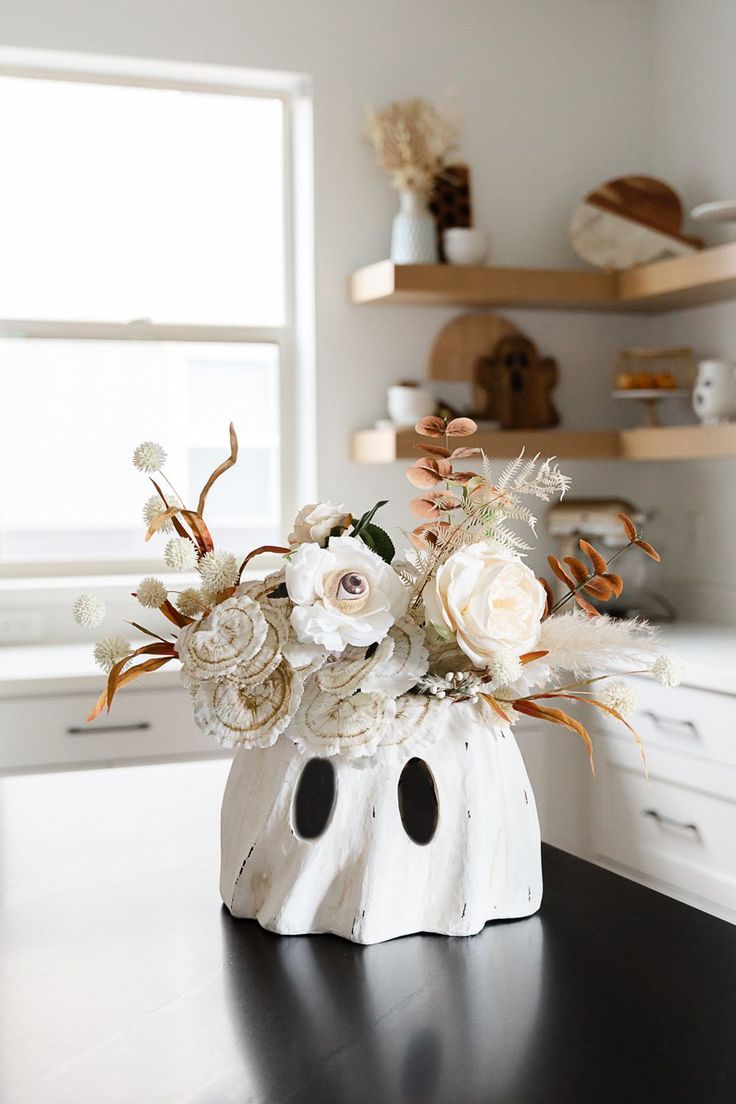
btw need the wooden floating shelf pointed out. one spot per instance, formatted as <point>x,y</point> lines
<point>383,446</point>
<point>707,276</point>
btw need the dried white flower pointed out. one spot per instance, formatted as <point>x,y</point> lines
<point>191,602</point>
<point>149,457</point>
<point>231,636</point>
<point>238,716</point>
<point>152,508</point>
<point>89,610</point>
<point>619,696</point>
<point>219,570</point>
<point>505,669</point>
<point>110,651</point>
<point>151,592</point>
<point>668,670</point>
<point>180,554</point>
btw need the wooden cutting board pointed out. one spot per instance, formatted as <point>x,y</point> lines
<point>463,342</point>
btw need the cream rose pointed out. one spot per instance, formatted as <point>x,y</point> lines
<point>315,522</point>
<point>490,600</point>
<point>343,594</point>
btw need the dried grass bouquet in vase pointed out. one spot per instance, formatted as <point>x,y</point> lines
<point>376,788</point>
<point>412,139</point>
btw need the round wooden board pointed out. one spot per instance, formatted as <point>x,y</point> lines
<point>460,344</point>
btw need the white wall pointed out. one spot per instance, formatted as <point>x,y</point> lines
<point>693,96</point>
<point>557,96</point>
<point>552,94</point>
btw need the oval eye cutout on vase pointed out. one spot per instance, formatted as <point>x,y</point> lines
<point>418,805</point>
<point>314,799</point>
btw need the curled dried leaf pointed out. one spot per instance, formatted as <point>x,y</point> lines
<point>465,453</point>
<point>436,450</point>
<point>425,507</point>
<point>549,596</point>
<point>530,657</point>
<point>430,427</point>
<point>427,535</point>
<point>461,427</point>
<point>598,561</point>
<point>629,528</point>
<point>277,548</point>
<point>559,717</point>
<point>586,606</point>
<point>178,527</point>
<point>617,583</point>
<point>648,550</point>
<point>423,537</point>
<point>577,569</point>
<point>560,572</point>
<point>428,471</point>
<point>599,588</point>
<point>223,467</point>
<point>496,707</point>
<point>462,477</point>
<point>172,614</point>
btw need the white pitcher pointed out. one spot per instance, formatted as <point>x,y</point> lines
<point>714,394</point>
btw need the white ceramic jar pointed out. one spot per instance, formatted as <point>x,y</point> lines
<point>714,394</point>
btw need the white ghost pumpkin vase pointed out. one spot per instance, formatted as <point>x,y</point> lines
<point>442,840</point>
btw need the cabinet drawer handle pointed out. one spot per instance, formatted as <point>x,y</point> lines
<point>670,822</point>
<point>79,730</point>
<point>680,728</point>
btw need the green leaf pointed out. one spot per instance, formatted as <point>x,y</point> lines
<point>378,541</point>
<point>367,518</point>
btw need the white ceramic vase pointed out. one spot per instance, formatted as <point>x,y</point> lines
<point>365,878</point>
<point>413,235</point>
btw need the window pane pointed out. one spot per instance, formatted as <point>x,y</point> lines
<point>120,203</point>
<point>72,413</point>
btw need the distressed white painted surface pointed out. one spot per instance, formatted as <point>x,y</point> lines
<point>364,878</point>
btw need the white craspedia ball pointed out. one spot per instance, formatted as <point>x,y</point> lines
<point>505,669</point>
<point>110,651</point>
<point>89,610</point>
<point>191,602</point>
<point>218,570</point>
<point>152,508</point>
<point>149,457</point>
<point>668,670</point>
<point>619,696</point>
<point>151,592</point>
<point>180,554</point>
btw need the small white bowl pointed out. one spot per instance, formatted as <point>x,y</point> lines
<point>464,245</point>
<point>406,405</point>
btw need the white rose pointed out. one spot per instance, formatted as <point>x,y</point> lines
<point>315,522</point>
<point>343,594</point>
<point>489,599</point>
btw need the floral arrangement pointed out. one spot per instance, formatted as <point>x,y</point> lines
<point>412,139</point>
<point>350,650</point>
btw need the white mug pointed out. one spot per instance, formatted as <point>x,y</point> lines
<point>406,405</point>
<point>714,394</point>
<point>464,245</point>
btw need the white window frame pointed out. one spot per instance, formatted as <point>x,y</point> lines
<point>294,339</point>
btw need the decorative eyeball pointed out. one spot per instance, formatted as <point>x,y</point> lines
<point>347,591</point>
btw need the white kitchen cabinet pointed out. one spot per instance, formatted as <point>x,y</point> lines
<point>45,695</point>
<point>675,830</point>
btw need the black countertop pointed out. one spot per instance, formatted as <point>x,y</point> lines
<point>122,979</point>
